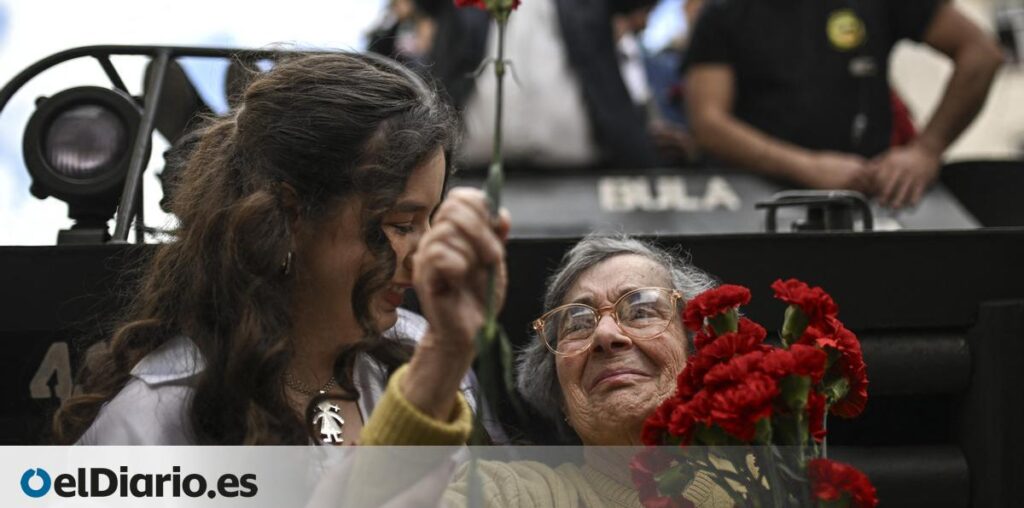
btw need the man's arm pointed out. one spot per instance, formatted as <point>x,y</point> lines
<point>709,101</point>
<point>903,173</point>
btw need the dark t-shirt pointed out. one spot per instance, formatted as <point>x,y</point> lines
<point>805,69</point>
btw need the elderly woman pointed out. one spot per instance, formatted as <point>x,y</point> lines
<point>608,349</point>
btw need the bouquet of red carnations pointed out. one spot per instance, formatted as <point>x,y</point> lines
<point>749,416</point>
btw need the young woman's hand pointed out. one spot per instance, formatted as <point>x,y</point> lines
<point>450,274</point>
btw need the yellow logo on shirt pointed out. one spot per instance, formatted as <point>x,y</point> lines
<point>845,30</point>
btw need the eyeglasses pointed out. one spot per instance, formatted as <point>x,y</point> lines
<point>641,314</point>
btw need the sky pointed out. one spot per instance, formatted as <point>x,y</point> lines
<point>33,29</point>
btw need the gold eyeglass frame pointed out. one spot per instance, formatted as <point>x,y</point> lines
<point>538,324</point>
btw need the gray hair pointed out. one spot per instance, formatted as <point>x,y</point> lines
<point>536,380</point>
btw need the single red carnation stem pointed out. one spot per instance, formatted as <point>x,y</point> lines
<point>501,17</point>
<point>488,333</point>
<point>495,175</point>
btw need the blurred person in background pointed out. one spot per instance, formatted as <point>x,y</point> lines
<point>799,90</point>
<point>651,81</point>
<point>567,103</point>
<point>663,69</point>
<point>404,33</point>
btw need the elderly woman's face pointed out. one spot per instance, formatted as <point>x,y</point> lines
<point>611,388</point>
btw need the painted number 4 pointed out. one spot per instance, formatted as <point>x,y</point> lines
<point>56,363</point>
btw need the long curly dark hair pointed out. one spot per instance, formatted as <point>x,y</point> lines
<point>331,126</point>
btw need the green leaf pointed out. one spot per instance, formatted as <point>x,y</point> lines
<point>793,325</point>
<point>725,322</point>
<point>836,390</point>
<point>670,440</point>
<point>790,429</point>
<point>763,432</point>
<point>672,481</point>
<point>794,391</point>
<point>714,436</point>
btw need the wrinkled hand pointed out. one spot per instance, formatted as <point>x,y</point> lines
<point>836,170</point>
<point>452,263</point>
<point>450,273</point>
<point>902,174</point>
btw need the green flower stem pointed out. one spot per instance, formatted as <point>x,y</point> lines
<point>499,71</point>
<point>495,176</point>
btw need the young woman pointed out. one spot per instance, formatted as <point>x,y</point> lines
<point>273,317</point>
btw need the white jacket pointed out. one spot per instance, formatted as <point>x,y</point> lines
<point>151,408</point>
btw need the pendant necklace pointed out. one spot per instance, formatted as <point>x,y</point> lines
<point>323,415</point>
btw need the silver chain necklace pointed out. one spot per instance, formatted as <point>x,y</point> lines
<point>303,388</point>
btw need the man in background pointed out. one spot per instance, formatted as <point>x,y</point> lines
<point>799,90</point>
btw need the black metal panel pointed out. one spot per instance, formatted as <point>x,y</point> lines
<point>990,190</point>
<point>908,477</point>
<point>991,416</point>
<point>64,288</point>
<point>916,363</point>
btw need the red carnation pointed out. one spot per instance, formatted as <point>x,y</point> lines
<point>701,339</point>
<point>738,408</point>
<point>852,367</point>
<point>814,302</point>
<point>832,481</point>
<point>810,361</point>
<point>849,365</point>
<point>725,346</point>
<point>685,417</point>
<point>819,336</point>
<point>735,370</point>
<point>751,333</point>
<point>712,303</point>
<point>691,379</point>
<point>720,350</point>
<point>644,466</point>
<point>656,424</point>
<point>737,389</point>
